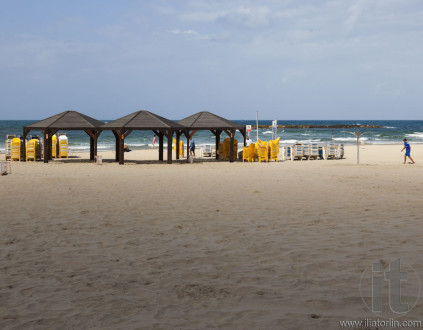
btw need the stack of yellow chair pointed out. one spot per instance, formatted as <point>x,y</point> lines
<point>249,153</point>
<point>181,147</point>
<point>54,146</point>
<point>274,149</point>
<point>63,147</point>
<point>221,151</point>
<point>15,149</point>
<point>227,149</point>
<point>31,149</point>
<point>262,151</point>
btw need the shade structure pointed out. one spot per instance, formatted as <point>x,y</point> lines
<point>205,120</point>
<point>147,121</point>
<point>67,120</point>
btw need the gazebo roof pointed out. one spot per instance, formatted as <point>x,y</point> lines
<point>70,120</point>
<point>142,120</point>
<point>206,120</point>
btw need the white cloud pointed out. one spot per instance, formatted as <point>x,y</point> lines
<point>242,16</point>
<point>186,32</point>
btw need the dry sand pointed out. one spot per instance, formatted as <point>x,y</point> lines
<point>209,245</point>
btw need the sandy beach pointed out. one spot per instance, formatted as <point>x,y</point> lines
<point>209,245</point>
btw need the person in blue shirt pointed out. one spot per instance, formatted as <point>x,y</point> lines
<point>407,151</point>
<point>192,147</point>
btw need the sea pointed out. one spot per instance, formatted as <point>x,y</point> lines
<point>392,132</point>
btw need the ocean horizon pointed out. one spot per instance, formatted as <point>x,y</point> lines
<point>391,132</point>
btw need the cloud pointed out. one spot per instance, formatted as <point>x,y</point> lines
<point>185,32</point>
<point>192,34</point>
<point>241,16</point>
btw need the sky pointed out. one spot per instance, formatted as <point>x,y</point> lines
<point>286,59</point>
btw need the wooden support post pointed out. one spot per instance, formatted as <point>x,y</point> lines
<point>117,145</point>
<point>186,133</point>
<point>91,148</point>
<point>177,145</point>
<point>218,132</point>
<point>231,148</point>
<point>23,145</point>
<point>93,143</point>
<point>46,147</point>
<point>244,134</point>
<point>50,146</point>
<point>161,147</point>
<point>96,143</point>
<point>169,146</point>
<point>121,147</point>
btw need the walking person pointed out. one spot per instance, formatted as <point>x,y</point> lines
<point>192,147</point>
<point>407,151</point>
<point>154,141</point>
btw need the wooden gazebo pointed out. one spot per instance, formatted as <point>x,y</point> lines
<point>67,120</point>
<point>144,121</point>
<point>205,120</point>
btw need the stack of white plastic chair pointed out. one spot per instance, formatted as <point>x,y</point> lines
<point>306,151</point>
<point>340,151</point>
<point>286,153</point>
<point>208,150</point>
<point>297,152</point>
<point>330,151</point>
<point>314,151</point>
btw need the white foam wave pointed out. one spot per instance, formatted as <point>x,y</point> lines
<point>267,132</point>
<point>138,144</point>
<point>79,147</point>
<point>390,127</point>
<point>350,139</point>
<point>418,135</point>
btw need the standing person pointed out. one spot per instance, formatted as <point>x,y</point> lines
<point>407,151</point>
<point>192,147</point>
<point>248,141</point>
<point>154,141</point>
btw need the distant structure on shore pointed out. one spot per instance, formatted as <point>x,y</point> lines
<point>323,126</point>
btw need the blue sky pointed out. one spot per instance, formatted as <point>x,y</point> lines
<point>288,59</point>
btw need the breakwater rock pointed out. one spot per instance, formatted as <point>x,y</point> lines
<point>322,126</point>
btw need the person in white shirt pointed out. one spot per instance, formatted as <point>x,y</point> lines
<point>248,141</point>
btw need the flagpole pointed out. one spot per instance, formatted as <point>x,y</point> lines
<point>257,124</point>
